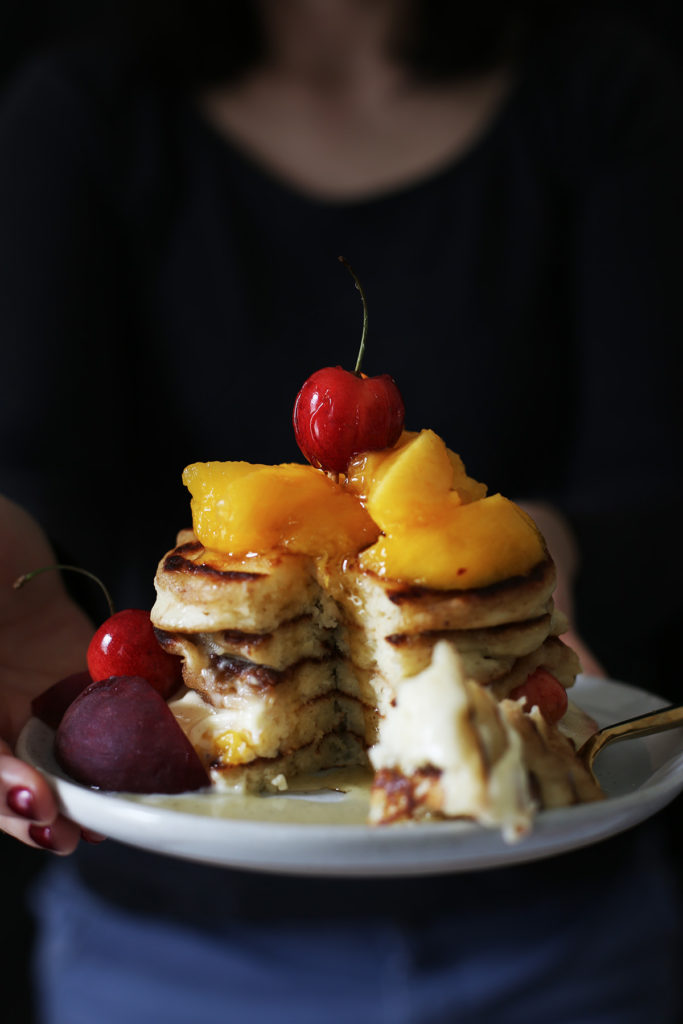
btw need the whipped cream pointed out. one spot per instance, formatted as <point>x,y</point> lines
<point>444,721</point>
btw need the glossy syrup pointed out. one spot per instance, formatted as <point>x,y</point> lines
<point>337,796</point>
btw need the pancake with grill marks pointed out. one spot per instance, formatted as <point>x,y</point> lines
<point>292,664</point>
<point>206,591</point>
<point>502,632</point>
<point>259,657</point>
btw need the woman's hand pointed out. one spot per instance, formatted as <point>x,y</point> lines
<point>562,546</point>
<point>43,637</point>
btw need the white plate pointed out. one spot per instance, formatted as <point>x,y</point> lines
<point>323,833</point>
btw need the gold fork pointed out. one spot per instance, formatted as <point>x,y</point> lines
<point>642,725</point>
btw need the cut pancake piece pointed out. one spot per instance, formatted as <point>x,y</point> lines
<point>448,748</point>
<point>445,749</point>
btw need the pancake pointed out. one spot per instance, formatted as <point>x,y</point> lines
<point>204,591</point>
<point>294,664</point>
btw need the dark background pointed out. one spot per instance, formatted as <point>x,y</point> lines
<point>25,27</point>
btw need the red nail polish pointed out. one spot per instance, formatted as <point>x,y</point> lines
<point>20,800</point>
<point>43,836</point>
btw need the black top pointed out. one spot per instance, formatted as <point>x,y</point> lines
<point>162,298</point>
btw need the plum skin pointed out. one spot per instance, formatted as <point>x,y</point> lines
<point>120,735</point>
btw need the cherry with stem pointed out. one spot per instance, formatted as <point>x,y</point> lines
<point>338,414</point>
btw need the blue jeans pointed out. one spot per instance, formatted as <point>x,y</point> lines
<point>566,953</point>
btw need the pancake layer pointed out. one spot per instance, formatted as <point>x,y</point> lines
<point>294,664</point>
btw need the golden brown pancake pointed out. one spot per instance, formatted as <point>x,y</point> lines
<point>294,664</point>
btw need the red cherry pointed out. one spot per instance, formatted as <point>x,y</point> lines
<point>546,692</point>
<point>125,645</point>
<point>338,414</point>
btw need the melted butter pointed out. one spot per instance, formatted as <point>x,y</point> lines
<point>337,796</point>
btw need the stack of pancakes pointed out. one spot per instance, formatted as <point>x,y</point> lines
<point>260,660</point>
<point>294,664</point>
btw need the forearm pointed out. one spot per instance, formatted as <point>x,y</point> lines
<point>43,634</point>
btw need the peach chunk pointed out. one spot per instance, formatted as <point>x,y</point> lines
<point>472,545</point>
<point>238,507</point>
<point>414,483</point>
<point>467,487</point>
<point>364,469</point>
<point>416,468</point>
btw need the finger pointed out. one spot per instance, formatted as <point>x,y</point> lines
<point>90,836</point>
<point>61,836</point>
<point>29,810</point>
<point>24,793</point>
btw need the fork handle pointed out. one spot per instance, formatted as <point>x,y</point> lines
<point>642,725</point>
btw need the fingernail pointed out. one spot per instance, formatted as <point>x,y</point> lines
<point>43,836</point>
<point>20,799</point>
<point>91,837</point>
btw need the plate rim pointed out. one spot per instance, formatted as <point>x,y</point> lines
<point>446,843</point>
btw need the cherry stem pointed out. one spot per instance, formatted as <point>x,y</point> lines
<point>27,576</point>
<point>361,350</point>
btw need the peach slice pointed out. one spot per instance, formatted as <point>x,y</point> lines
<point>413,484</point>
<point>472,545</point>
<point>239,508</point>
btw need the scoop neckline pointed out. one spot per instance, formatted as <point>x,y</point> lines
<point>451,165</point>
